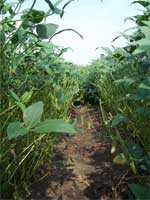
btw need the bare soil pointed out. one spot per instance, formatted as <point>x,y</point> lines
<point>83,167</point>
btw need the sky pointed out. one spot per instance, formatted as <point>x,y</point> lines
<point>98,22</point>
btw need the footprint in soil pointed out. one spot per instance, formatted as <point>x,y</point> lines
<point>82,166</point>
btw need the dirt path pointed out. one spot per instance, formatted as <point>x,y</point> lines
<point>83,167</point>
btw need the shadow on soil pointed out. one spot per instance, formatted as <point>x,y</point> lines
<point>106,177</point>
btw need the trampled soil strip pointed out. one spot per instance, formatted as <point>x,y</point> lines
<point>82,165</point>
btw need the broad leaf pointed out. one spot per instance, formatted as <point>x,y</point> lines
<point>16,129</point>
<point>140,191</point>
<point>55,125</point>
<point>144,43</point>
<point>135,150</point>
<point>142,110</point>
<point>144,89</point>
<point>45,31</point>
<point>135,97</point>
<point>32,114</point>
<point>125,81</point>
<point>34,16</point>
<point>19,36</point>
<point>117,119</point>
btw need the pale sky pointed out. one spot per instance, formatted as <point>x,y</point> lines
<point>99,23</point>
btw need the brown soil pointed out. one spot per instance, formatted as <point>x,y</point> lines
<point>82,165</point>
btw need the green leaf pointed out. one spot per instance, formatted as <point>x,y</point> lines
<point>19,36</point>
<point>146,30</point>
<point>134,150</point>
<point>26,96</point>
<point>143,86</point>
<point>14,95</point>
<point>2,37</point>
<point>141,192</point>
<point>27,24</point>
<point>46,45</point>
<point>34,16</point>
<point>144,43</point>
<point>145,163</point>
<point>55,125</point>
<point>146,23</point>
<point>120,159</point>
<point>117,119</point>
<point>133,167</point>
<point>134,97</point>
<point>21,106</point>
<point>142,110</point>
<point>16,129</point>
<point>17,101</point>
<point>144,90</point>
<point>7,7</point>
<point>45,31</point>
<point>32,114</point>
<point>125,81</point>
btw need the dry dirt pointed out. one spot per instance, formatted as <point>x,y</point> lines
<point>82,166</point>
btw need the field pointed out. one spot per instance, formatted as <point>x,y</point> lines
<point>83,132</point>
